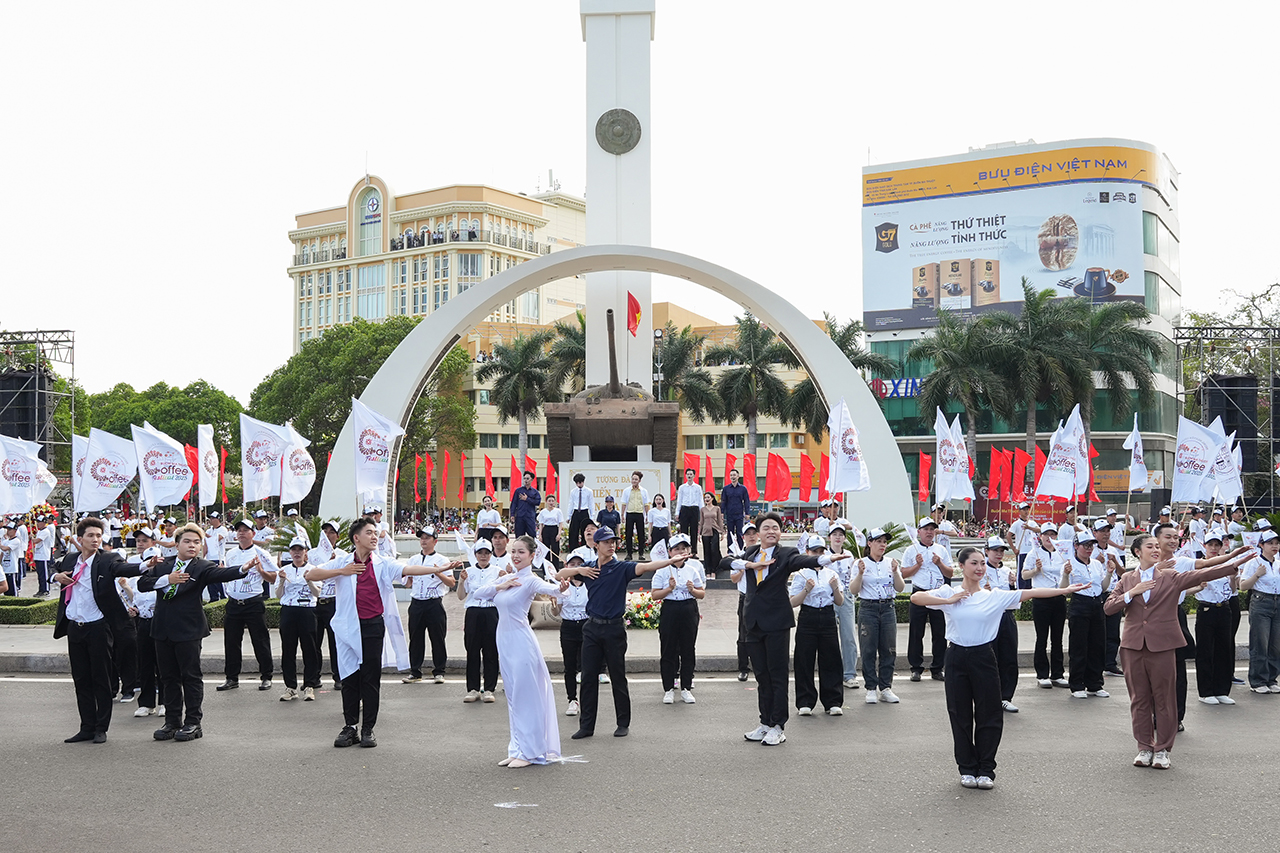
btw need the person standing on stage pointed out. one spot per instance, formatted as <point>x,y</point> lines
<point>739,577</point>
<point>876,581</point>
<point>1043,568</point>
<point>246,607</point>
<point>635,503</point>
<point>608,517</point>
<point>297,597</point>
<point>1261,577</point>
<point>89,609</point>
<point>659,520</point>
<point>973,616</point>
<point>524,507</point>
<point>711,529</point>
<point>928,567</point>
<point>1022,537</point>
<point>216,537</point>
<point>1085,615</point>
<point>679,588</point>
<point>426,608</point>
<point>487,519</point>
<point>1215,637</point>
<point>817,592</point>
<point>1006,643</point>
<point>734,502</point>
<point>1152,636</point>
<point>326,604</point>
<point>688,508</point>
<point>582,506</point>
<point>550,526</point>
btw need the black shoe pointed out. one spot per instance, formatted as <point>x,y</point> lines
<point>99,737</point>
<point>915,676</point>
<point>347,737</point>
<point>742,676</point>
<point>621,731</point>
<point>227,685</point>
<point>937,676</point>
<point>1237,680</point>
<point>1116,671</point>
<point>1181,728</point>
<point>79,737</point>
<point>187,733</point>
<point>165,732</point>
<point>578,735</point>
<point>368,740</point>
<point>265,685</point>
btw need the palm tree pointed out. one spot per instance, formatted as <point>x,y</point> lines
<point>521,373</point>
<point>805,405</point>
<point>684,380</point>
<point>569,352</point>
<point>1120,353</point>
<point>962,372</point>
<point>749,387</point>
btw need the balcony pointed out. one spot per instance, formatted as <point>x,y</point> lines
<point>321,257</point>
<point>405,242</point>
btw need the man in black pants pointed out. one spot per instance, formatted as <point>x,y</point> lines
<point>1006,646</point>
<point>581,504</point>
<point>635,503</point>
<point>326,603</point>
<point>752,537</point>
<point>928,566</point>
<point>246,607</point>
<point>178,628</point>
<point>426,608</point>
<point>604,636</point>
<point>688,508</point>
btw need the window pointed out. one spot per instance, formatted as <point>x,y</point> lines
<point>779,440</point>
<point>371,298</point>
<point>482,396</point>
<point>404,271</point>
<point>469,265</point>
<point>510,441</point>
<point>487,439</point>
<point>1159,241</point>
<point>441,267</point>
<point>715,442</point>
<point>735,442</point>
<point>532,304</point>
<point>693,442</point>
<point>416,261</point>
<point>370,222</point>
<point>493,265</point>
<point>400,300</point>
<point>328,282</point>
<point>535,442</point>
<point>439,294</point>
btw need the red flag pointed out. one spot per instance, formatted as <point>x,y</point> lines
<point>824,473</point>
<point>428,471</point>
<point>396,486</point>
<point>532,468</point>
<point>193,462</point>
<point>488,475</point>
<point>994,475</point>
<point>417,461</point>
<point>749,476</point>
<point>777,481</point>
<point>444,478</point>
<point>515,481</point>
<point>553,481</point>
<point>926,463</point>
<point>1020,461</point>
<point>691,460</point>
<point>709,477</point>
<point>1040,461</point>
<point>1093,454</point>
<point>327,462</point>
<point>972,469</point>
<point>673,493</point>
<point>633,314</point>
<point>222,474</point>
<point>1006,475</point>
<point>462,478</point>
<point>806,477</point>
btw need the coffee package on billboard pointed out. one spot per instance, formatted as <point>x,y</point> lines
<point>985,280</point>
<point>953,285</point>
<point>924,286</point>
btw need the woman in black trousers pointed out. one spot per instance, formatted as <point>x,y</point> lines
<point>1084,614</point>
<point>298,626</point>
<point>679,588</point>
<point>1215,632</point>
<point>572,605</point>
<point>1043,567</point>
<point>817,592</point>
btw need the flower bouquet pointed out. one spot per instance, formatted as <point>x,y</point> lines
<point>642,610</point>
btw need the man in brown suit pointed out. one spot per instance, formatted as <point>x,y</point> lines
<point>1152,636</point>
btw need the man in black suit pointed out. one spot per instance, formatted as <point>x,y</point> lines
<point>89,609</point>
<point>179,626</point>
<point>769,618</point>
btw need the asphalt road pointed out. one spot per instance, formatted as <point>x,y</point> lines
<point>266,777</point>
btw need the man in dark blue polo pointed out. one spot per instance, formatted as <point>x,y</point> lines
<point>604,636</point>
<point>733,503</point>
<point>524,507</point>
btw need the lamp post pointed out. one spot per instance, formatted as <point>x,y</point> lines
<point>657,362</point>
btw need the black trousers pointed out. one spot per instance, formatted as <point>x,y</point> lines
<point>711,551</point>
<point>1215,650</point>
<point>89,648</point>
<point>1023,583</point>
<point>659,534</point>
<point>325,609</point>
<point>42,576</point>
<point>551,538</point>
<point>1007,655</point>
<point>634,521</point>
<point>251,616</point>
<point>744,660</point>
<point>298,628</point>
<point>148,666</point>
<point>363,687</point>
<point>480,636</point>
<point>1050,617</point>
<point>577,523</point>
<point>732,528</point>
<point>918,616</point>
<point>124,657</point>
<point>1111,654</point>
<point>181,680</point>
<point>1182,655</point>
<point>818,640</point>
<point>1087,643</point>
<point>677,638</point>
<point>770,654</point>
<point>973,704</point>
<point>571,649</point>
<point>689,520</point>
<point>427,619</point>
<point>604,647</point>
<point>216,592</point>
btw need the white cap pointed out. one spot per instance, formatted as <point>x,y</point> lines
<point>925,521</point>
<point>815,541</point>
<point>1262,524</point>
<point>678,539</point>
<point>839,524</point>
<point>876,533</point>
<point>145,531</point>
<point>1166,510</point>
<point>1102,524</point>
<point>996,542</point>
<point>1112,511</point>
<point>483,544</point>
<point>1085,537</point>
<point>298,542</point>
<point>291,512</point>
<point>1215,535</point>
<point>1267,536</point>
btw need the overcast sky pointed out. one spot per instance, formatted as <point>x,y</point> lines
<point>155,154</point>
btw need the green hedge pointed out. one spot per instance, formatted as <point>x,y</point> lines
<point>216,612</point>
<point>13,601</point>
<point>36,612</point>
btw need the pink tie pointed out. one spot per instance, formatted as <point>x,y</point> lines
<point>75,579</point>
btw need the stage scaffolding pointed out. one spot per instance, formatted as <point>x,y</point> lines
<point>33,361</point>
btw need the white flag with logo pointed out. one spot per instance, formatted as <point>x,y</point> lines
<point>46,482</point>
<point>79,447</point>
<point>1138,475</point>
<point>207,482</point>
<point>963,488</point>
<point>945,459</point>
<point>1225,485</point>
<point>20,468</point>
<point>1193,460</point>
<point>1067,465</point>
<point>848,469</point>
<point>299,472</point>
<point>374,435</point>
<point>163,474</point>
<point>109,465</point>
<point>262,446</point>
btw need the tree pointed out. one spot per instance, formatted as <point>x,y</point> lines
<point>805,406</point>
<point>172,410</point>
<point>521,373</point>
<point>750,387</point>
<point>1119,352</point>
<point>569,353</point>
<point>684,381</point>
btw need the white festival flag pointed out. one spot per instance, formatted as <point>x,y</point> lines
<point>298,473</point>
<point>46,482</point>
<point>79,447</point>
<point>963,483</point>
<point>163,474</point>
<point>848,470</point>
<point>20,469</point>
<point>374,435</point>
<point>945,460</point>
<point>1224,485</point>
<point>262,445</point>
<point>207,451</point>
<point>109,465</point>
<point>1138,475</point>
<point>1193,459</point>
<point>1068,461</point>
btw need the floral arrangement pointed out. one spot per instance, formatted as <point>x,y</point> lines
<point>642,610</point>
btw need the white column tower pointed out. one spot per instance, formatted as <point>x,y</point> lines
<point>617,34</point>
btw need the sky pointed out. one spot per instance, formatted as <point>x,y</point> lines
<point>156,154</point>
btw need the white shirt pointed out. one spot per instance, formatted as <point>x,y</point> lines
<point>252,583</point>
<point>943,536</point>
<point>1270,582</point>
<point>1117,537</point>
<point>297,591</point>
<point>8,555</point>
<point>1216,591</point>
<point>266,534</point>
<point>1024,543</point>
<point>550,517</point>
<point>1068,530</point>
<point>1181,565</point>
<point>329,588</point>
<point>580,497</point>
<point>997,577</point>
<point>83,607</point>
<point>929,576</point>
<point>822,526</point>
<point>428,586</point>
<point>1092,573</point>
<point>387,543</point>
<point>691,571</point>
<point>477,579</point>
<point>43,549</point>
<point>488,518</point>
<point>1198,528</point>
<point>22,540</point>
<point>688,495</point>
<point>821,595</point>
<point>1050,574</point>
<point>877,579</point>
<point>976,620</point>
<point>573,603</point>
<point>215,542</point>
<point>660,517</point>
<point>1234,530</point>
<point>145,602</point>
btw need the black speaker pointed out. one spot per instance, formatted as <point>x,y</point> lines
<point>24,404</point>
<point>1160,498</point>
<point>1235,400</point>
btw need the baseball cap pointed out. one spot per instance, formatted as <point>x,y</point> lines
<point>604,534</point>
<point>939,506</point>
<point>1267,536</point>
<point>816,542</point>
<point>1262,524</point>
<point>608,499</point>
<point>1217,510</point>
<point>876,533</point>
<point>501,528</point>
<point>1102,524</point>
<point>1197,510</point>
<point>994,542</point>
<point>1084,537</point>
<point>750,525</point>
<point>839,524</point>
<point>1112,511</point>
<point>246,521</point>
<point>573,555</point>
<point>429,530</point>
<point>145,531</point>
<point>291,512</point>
<point>1166,510</point>
<point>926,521</point>
<point>214,515</point>
<point>1215,535</point>
<point>262,513</point>
<point>298,542</point>
<point>678,539</point>
<point>483,545</point>
<point>1024,505</point>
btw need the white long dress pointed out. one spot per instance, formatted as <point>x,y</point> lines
<point>531,701</point>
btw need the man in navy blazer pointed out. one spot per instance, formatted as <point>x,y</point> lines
<point>89,610</point>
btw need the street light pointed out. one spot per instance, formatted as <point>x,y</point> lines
<point>657,360</point>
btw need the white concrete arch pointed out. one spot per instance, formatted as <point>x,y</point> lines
<point>393,389</point>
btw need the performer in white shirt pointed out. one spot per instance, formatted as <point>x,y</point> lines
<point>679,588</point>
<point>750,538</point>
<point>246,608</point>
<point>1215,640</point>
<point>817,591</point>
<point>928,567</point>
<point>973,681</point>
<point>216,537</point>
<point>488,519</point>
<point>1006,643</point>
<point>1261,575</point>
<point>263,532</point>
<point>386,537</point>
<point>9,558</point>
<point>945,528</point>
<point>846,612</point>
<point>142,606</point>
<point>582,508</point>
<point>1022,537</point>
<point>1085,617</point>
<point>297,597</point>
<point>659,519</point>
<point>550,524</point>
<point>325,551</point>
<point>42,553</point>
<point>572,605</point>
<point>480,623</point>
<point>1043,567</point>
<point>426,608</point>
<point>876,582</point>
<point>688,508</point>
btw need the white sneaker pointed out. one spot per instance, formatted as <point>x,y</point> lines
<point>438,679</point>
<point>472,696</point>
<point>158,711</point>
<point>986,783</point>
<point>1260,689</point>
<point>1225,700</point>
<point>805,712</point>
<point>686,696</point>
<point>1160,760</point>
<point>871,697</point>
<point>1143,759</point>
<point>888,696</point>
<point>757,734</point>
<point>604,678</point>
<point>486,696</point>
<point>1210,700</point>
<point>1101,694</point>
<point>308,694</point>
<point>289,695</point>
<point>1061,682</point>
<point>851,683</point>
<point>1009,706</point>
<point>835,711</point>
<point>669,697</point>
<point>967,781</point>
<point>1274,688</point>
<point>572,710</point>
<point>143,711</point>
<point>1079,694</point>
<point>1044,682</point>
<point>774,737</point>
